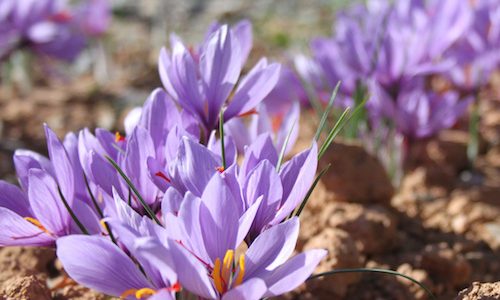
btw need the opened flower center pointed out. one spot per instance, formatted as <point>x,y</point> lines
<point>228,273</point>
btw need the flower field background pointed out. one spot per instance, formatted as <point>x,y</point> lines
<point>413,188</point>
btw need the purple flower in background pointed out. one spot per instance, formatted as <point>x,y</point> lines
<point>202,83</point>
<point>417,113</point>
<point>50,28</point>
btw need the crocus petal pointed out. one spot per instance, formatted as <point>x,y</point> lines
<point>192,274</point>
<point>132,119</point>
<point>24,160</point>
<point>194,166</point>
<point>12,198</point>
<point>16,231</point>
<point>294,272</point>
<point>297,175</point>
<point>63,169</point>
<point>86,216</point>
<point>254,288</point>
<point>89,259</point>
<point>272,248</point>
<point>218,218</point>
<point>253,88</point>
<point>171,202</point>
<point>46,203</point>
<point>263,181</point>
<point>140,146</point>
<point>220,67</point>
<point>262,148</point>
<point>242,31</point>
<point>162,295</point>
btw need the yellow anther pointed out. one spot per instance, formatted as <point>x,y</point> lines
<point>217,278</point>
<point>144,292</point>
<point>103,224</point>
<point>227,265</point>
<point>37,224</point>
<point>119,137</point>
<point>127,293</point>
<point>241,273</point>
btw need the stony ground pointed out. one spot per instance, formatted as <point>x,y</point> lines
<point>441,225</point>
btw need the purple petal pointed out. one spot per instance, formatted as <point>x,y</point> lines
<point>220,67</point>
<point>89,259</point>
<point>218,218</point>
<point>46,203</point>
<point>16,231</point>
<point>254,288</point>
<point>294,272</point>
<point>272,248</point>
<point>12,198</point>
<point>192,274</point>
<point>63,169</point>
<point>194,166</point>
<point>297,175</point>
<point>253,88</point>
<point>25,160</point>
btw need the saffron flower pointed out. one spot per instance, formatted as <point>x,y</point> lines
<point>40,213</point>
<point>203,83</point>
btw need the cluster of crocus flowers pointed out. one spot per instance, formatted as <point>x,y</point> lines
<point>51,28</point>
<point>173,208</point>
<point>391,50</point>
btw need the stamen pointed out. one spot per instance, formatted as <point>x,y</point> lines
<point>220,169</point>
<point>217,278</point>
<point>119,137</point>
<point>241,273</point>
<point>163,176</point>
<point>38,224</point>
<point>228,265</point>
<point>144,292</point>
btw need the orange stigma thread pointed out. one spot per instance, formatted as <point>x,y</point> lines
<point>38,224</point>
<point>220,169</point>
<point>163,176</point>
<point>119,137</point>
<point>276,122</point>
<point>223,273</point>
<point>248,113</point>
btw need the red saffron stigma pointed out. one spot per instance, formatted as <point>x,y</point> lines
<point>220,169</point>
<point>61,17</point>
<point>248,113</point>
<point>163,176</point>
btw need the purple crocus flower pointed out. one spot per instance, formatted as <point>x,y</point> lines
<point>207,232</point>
<point>37,215</point>
<point>202,83</point>
<point>94,17</point>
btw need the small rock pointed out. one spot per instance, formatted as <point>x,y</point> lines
<point>481,291</point>
<point>355,175</point>
<point>444,264</point>
<point>491,234</point>
<point>373,228</point>
<point>342,253</point>
<point>25,288</point>
<point>417,274</point>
